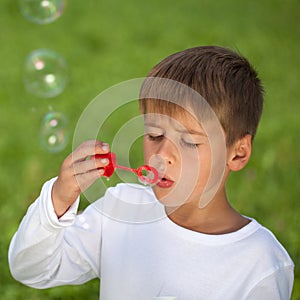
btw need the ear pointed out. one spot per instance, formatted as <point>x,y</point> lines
<point>239,153</point>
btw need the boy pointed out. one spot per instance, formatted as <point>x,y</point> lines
<point>190,244</point>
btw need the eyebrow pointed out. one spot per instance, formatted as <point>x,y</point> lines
<point>192,132</point>
<point>187,131</point>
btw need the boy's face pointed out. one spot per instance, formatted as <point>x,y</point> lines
<point>180,149</point>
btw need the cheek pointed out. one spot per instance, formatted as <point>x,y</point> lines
<point>147,149</point>
<point>204,168</point>
<point>198,163</point>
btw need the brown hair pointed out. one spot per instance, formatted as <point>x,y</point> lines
<point>226,80</point>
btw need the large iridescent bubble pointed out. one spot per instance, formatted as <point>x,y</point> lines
<point>42,11</point>
<point>54,132</point>
<point>45,73</point>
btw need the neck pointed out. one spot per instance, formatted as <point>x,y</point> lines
<point>218,217</point>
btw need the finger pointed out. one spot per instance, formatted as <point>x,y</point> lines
<point>87,149</point>
<point>89,165</point>
<point>86,179</point>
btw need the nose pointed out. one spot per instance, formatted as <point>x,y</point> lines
<point>168,151</point>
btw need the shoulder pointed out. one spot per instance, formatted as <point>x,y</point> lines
<point>265,248</point>
<point>270,264</point>
<point>262,261</point>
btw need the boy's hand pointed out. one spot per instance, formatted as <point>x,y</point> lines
<point>77,173</point>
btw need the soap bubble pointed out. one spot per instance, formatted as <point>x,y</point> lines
<point>42,11</point>
<point>54,132</point>
<point>45,73</point>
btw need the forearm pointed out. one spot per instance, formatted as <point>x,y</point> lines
<point>36,249</point>
<point>60,206</point>
<point>34,264</point>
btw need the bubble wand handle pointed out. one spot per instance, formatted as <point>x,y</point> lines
<point>126,168</point>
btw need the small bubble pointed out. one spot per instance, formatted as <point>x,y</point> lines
<point>86,226</point>
<point>158,163</point>
<point>142,181</point>
<point>45,73</point>
<point>42,11</point>
<point>81,219</point>
<point>54,132</point>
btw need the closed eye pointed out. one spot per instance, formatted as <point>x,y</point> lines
<point>189,144</point>
<point>155,137</point>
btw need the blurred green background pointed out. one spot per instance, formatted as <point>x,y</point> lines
<point>107,42</point>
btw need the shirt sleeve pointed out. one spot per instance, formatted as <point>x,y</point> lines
<point>276,286</point>
<point>47,251</point>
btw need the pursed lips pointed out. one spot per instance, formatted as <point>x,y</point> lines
<point>165,183</point>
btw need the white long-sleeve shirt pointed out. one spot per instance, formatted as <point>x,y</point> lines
<point>138,253</point>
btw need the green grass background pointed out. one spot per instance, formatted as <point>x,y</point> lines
<point>107,42</point>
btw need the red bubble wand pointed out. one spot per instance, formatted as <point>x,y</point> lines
<point>145,173</point>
